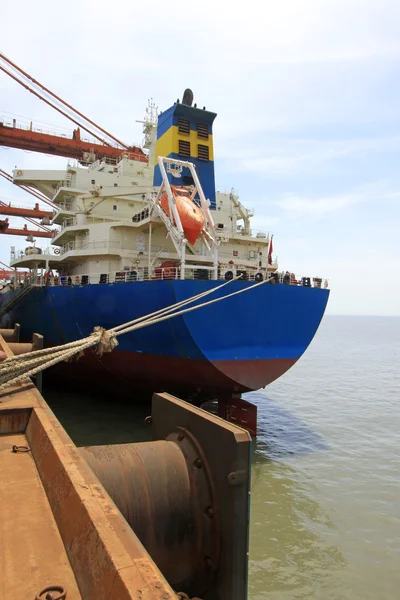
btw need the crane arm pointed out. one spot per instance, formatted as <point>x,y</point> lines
<point>74,147</point>
<point>20,211</point>
<point>7,230</point>
<point>42,92</point>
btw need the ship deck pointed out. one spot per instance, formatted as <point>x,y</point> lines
<point>32,555</point>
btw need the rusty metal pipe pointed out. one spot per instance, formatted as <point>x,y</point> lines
<point>164,497</point>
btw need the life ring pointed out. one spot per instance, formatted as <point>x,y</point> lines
<point>77,280</point>
<point>19,173</point>
<point>229,275</point>
<point>326,284</point>
<point>258,277</point>
<point>167,270</point>
<point>57,251</point>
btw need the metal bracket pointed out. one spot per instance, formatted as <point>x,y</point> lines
<point>226,451</point>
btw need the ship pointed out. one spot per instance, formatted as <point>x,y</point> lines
<point>146,230</point>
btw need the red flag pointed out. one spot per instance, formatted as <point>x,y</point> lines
<point>271,249</point>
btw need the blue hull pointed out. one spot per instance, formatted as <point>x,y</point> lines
<point>239,344</point>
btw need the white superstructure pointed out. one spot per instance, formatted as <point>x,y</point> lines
<point>112,227</point>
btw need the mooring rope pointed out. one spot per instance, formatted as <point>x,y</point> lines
<point>17,368</point>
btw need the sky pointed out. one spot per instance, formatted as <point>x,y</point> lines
<point>307,94</point>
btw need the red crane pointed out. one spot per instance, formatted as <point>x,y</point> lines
<point>34,193</point>
<point>74,147</point>
<point>7,230</point>
<point>16,211</point>
<point>12,136</point>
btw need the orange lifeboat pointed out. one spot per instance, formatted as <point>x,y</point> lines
<point>192,218</point>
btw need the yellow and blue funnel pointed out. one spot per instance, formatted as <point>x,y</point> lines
<point>185,132</point>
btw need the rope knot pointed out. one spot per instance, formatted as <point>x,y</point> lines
<point>106,341</point>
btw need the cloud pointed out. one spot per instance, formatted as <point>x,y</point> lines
<point>294,205</point>
<point>306,92</point>
<point>283,156</point>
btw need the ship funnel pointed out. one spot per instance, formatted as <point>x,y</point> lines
<point>184,132</point>
<point>187,97</point>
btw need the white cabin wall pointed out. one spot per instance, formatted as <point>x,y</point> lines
<point>224,214</point>
<point>99,232</point>
<point>115,264</point>
<point>125,235</point>
<point>102,265</point>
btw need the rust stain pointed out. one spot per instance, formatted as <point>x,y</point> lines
<point>14,420</point>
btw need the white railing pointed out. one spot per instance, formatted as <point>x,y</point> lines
<point>254,233</point>
<point>73,221</point>
<point>236,254</point>
<point>95,245</point>
<point>17,254</point>
<point>65,206</point>
<point>287,278</point>
<point>167,273</point>
<point>115,161</point>
<point>140,274</point>
<point>113,245</point>
<point>103,161</point>
<point>69,222</point>
<point>90,219</point>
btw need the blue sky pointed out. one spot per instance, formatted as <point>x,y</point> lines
<point>308,129</point>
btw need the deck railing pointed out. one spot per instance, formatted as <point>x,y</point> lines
<point>157,274</point>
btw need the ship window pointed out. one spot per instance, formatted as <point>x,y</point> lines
<point>183,126</point>
<point>202,130</point>
<point>184,148</point>
<point>203,152</point>
<point>115,207</point>
<point>220,226</point>
<point>93,181</point>
<point>115,184</point>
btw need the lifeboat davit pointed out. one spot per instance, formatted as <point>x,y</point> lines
<point>192,218</point>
